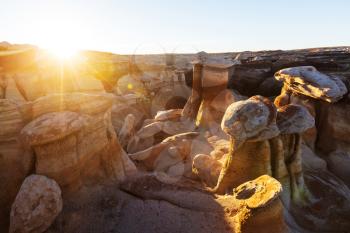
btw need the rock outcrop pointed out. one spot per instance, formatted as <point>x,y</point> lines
<point>37,204</point>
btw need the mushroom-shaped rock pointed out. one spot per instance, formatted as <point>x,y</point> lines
<point>306,80</point>
<point>253,119</point>
<point>36,206</point>
<point>294,118</point>
<point>263,209</point>
<point>250,123</point>
<point>51,127</point>
<point>72,148</point>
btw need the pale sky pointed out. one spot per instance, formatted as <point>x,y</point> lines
<point>159,26</point>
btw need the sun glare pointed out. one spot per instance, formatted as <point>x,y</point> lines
<point>63,53</point>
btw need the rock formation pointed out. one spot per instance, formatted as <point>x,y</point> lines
<point>250,124</point>
<point>73,140</point>
<point>37,204</point>
<point>173,151</point>
<point>164,124</point>
<point>210,96</point>
<point>253,205</point>
<point>306,80</point>
<point>150,156</point>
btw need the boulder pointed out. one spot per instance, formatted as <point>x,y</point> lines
<point>36,206</point>
<point>306,80</point>
<point>253,119</point>
<point>129,104</point>
<point>207,169</point>
<point>127,131</point>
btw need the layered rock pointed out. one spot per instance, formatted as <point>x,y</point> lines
<point>36,206</point>
<point>129,104</point>
<point>210,96</point>
<point>333,139</point>
<point>74,141</point>
<point>306,80</point>
<point>15,162</point>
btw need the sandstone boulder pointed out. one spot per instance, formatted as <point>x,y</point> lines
<point>207,169</point>
<point>166,154</point>
<point>37,204</point>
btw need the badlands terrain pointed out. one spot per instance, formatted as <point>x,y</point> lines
<point>230,142</point>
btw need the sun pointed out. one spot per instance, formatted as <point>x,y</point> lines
<point>63,52</point>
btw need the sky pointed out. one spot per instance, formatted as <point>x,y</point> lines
<point>163,26</point>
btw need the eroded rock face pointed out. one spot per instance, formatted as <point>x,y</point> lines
<point>37,204</point>
<point>306,80</point>
<point>15,161</point>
